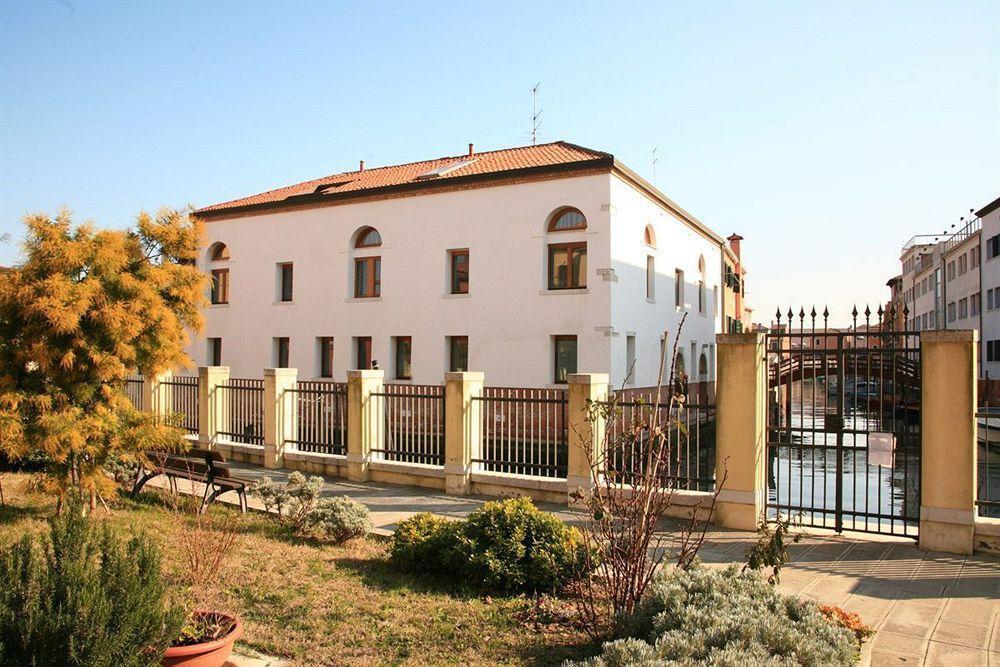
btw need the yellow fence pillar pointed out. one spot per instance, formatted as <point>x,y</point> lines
<point>365,416</point>
<point>741,456</point>
<point>948,435</point>
<point>156,396</point>
<point>280,413</point>
<point>213,404</point>
<point>586,431</point>
<point>463,428</point>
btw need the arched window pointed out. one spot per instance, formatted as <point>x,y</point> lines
<point>702,293</point>
<point>649,236</point>
<point>679,364</point>
<point>567,218</point>
<point>567,262</point>
<point>367,268</point>
<point>368,237</point>
<point>219,252</point>
<point>703,366</point>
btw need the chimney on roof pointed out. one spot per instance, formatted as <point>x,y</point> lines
<point>734,243</point>
<point>362,167</point>
<point>470,150</point>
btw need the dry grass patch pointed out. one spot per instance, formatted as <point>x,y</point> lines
<point>334,605</point>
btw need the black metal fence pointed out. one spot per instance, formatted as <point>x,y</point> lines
<point>133,389</point>
<point>413,423</point>
<point>322,417</point>
<point>988,442</point>
<point>182,391</point>
<point>687,445</point>
<point>843,425</point>
<point>244,401</point>
<point>525,431</point>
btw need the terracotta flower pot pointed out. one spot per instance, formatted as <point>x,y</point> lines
<point>208,654</point>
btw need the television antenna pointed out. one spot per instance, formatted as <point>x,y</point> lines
<point>536,114</point>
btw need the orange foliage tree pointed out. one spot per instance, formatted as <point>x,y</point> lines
<point>86,309</point>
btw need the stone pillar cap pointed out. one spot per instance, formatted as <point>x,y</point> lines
<point>366,374</point>
<point>464,376</point>
<point>589,378</point>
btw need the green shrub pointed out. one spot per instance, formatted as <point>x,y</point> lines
<point>507,545</point>
<point>425,543</point>
<point>84,597</point>
<point>293,501</point>
<point>338,519</point>
<point>727,617</point>
<point>511,545</point>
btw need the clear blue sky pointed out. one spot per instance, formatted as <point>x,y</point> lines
<point>826,134</point>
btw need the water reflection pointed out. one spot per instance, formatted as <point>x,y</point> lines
<point>802,463</point>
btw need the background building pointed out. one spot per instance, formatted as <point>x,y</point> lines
<point>952,281</point>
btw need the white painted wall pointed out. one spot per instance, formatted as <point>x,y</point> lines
<point>509,315</point>
<point>991,280</point>
<point>678,246</point>
<point>963,285</point>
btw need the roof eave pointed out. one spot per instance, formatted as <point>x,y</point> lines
<point>989,208</point>
<point>310,200</point>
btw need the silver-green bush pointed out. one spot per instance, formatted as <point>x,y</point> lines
<point>725,617</point>
<point>338,519</point>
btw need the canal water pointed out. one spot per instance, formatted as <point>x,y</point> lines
<point>802,466</point>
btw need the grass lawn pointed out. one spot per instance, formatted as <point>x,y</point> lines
<point>331,605</point>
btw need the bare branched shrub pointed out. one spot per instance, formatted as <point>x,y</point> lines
<point>633,479</point>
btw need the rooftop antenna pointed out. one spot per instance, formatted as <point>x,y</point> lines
<point>536,114</point>
<point>654,165</point>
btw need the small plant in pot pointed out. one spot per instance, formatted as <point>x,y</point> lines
<point>205,543</point>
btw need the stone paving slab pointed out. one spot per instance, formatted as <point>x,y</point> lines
<point>927,608</point>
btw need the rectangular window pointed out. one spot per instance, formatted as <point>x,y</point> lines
<point>963,308</point>
<point>993,247</point>
<point>974,257</point>
<point>650,277</point>
<point>630,359</point>
<point>951,311</point>
<point>567,265</point>
<point>220,285</point>
<point>281,352</point>
<point>678,288</point>
<point>989,299</point>
<point>404,349</point>
<point>214,351</point>
<point>363,352</point>
<point>974,304</point>
<point>367,277</point>
<point>951,270</point>
<point>458,262</point>
<point>326,356</point>
<point>963,264</point>
<point>565,358</point>
<point>285,279</point>
<point>458,353</point>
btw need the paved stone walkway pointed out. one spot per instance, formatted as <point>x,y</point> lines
<point>928,608</point>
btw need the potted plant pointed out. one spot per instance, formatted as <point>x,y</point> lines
<point>206,640</point>
<point>205,543</point>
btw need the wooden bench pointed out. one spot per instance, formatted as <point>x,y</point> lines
<point>198,465</point>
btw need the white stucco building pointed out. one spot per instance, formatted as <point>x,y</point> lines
<point>989,336</point>
<point>952,281</point>
<point>525,263</point>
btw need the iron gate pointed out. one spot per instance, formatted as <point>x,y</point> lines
<point>843,436</point>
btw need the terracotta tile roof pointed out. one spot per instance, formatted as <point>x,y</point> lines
<point>417,174</point>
